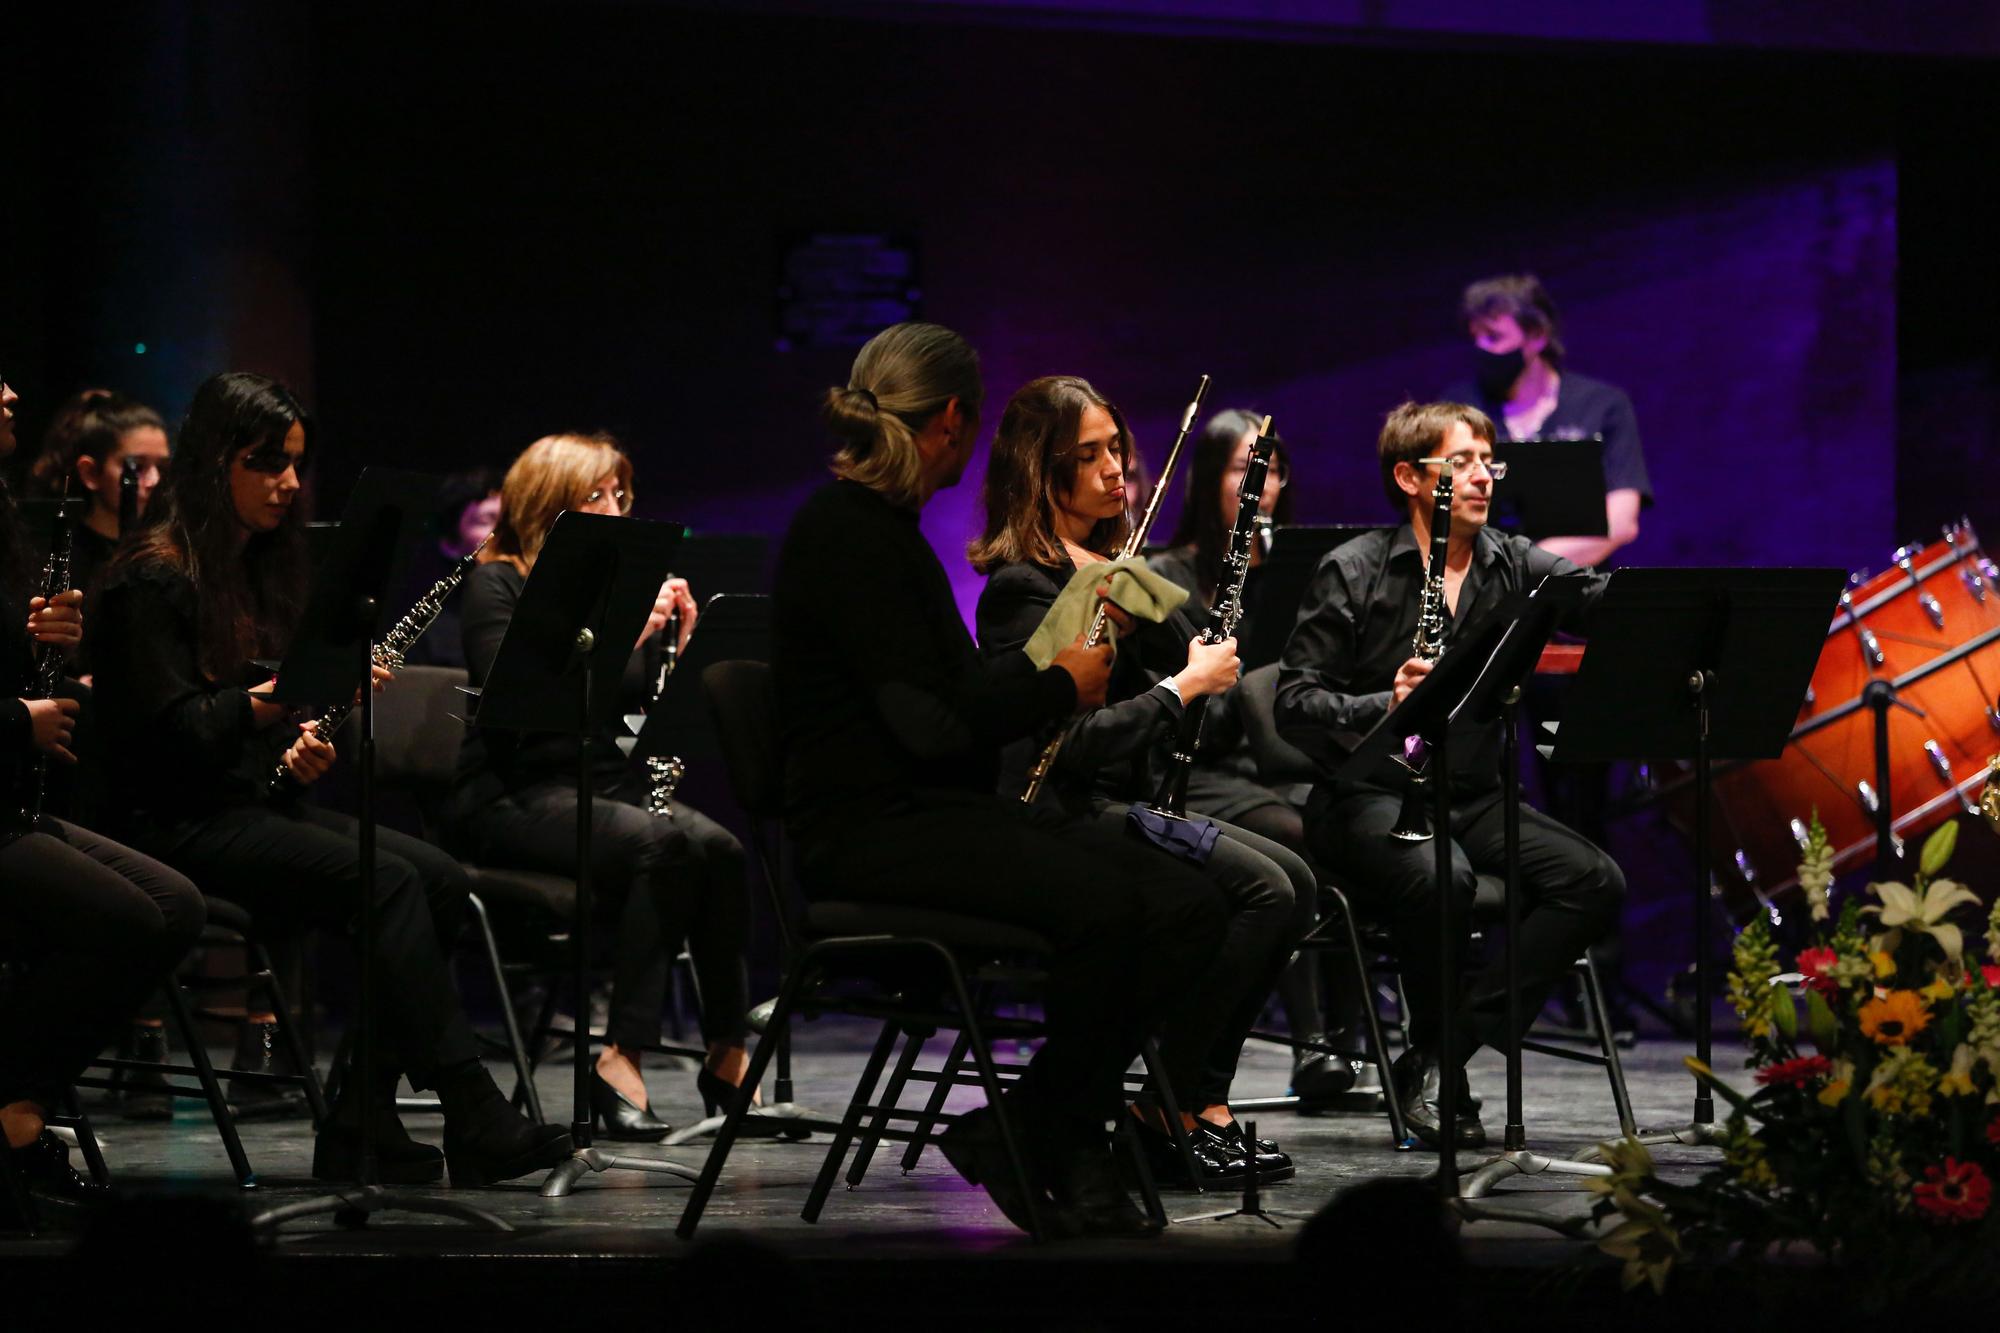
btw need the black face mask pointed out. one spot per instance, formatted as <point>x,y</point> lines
<point>1495,372</point>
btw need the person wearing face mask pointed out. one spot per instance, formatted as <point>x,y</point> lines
<point>1347,664</point>
<point>1055,503</point>
<point>212,584</point>
<point>1523,382</point>
<point>514,803</point>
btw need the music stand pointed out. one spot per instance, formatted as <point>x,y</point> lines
<point>1554,488</point>
<point>584,605</point>
<point>1296,551</point>
<point>1700,664</point>
<point>330,659</point>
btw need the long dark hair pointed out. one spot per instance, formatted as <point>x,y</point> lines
<point>1033,461</point>
<point>249,599</point>
<point>1203,524</point>
<point>90,425</point>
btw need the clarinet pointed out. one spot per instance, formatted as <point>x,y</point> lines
<point>48,668</point>
<point>1040,772</point>
<point>1413,823</point>
<point>394,647</point>
<point>1248,533</point>
<point>665,771</point>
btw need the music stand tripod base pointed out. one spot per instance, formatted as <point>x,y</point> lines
<point>1695,1134</point>
<point>585,1160</point>
<point>1522,1162</point>
<point>800,1122</point>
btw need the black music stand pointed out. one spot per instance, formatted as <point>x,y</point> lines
<point>1554,488</point>
<point>1699,664</point>
<point>1296,551</point>
<point>330,658</point>
<point>1463,690</point>
<point>557,670</point>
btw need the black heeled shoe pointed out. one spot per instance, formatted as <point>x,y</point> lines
<point>620,1118</point>
<point>717,1096</point>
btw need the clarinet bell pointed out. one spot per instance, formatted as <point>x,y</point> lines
<point>1413,821</point>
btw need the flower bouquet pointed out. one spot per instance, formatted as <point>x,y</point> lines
<point>1872,1134</point>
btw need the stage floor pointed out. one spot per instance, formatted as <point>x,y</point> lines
<point>929,1213</point>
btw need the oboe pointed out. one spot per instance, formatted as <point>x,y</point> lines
<point>1223,617</point>
<point>665,771</point>
<point>1040,772</point>
<point>48,668</point>
<point>1413,823</point>
<point>394,647</point>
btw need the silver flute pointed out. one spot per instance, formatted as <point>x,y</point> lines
<point>394,647</point>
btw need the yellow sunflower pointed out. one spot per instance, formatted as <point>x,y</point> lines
<point>1893,1019</point>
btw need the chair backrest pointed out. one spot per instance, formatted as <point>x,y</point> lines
<point>1278,761</point>
<point>743,702</point>
<point>416,733</point>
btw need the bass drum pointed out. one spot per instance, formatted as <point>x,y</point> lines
<point>1931,625</point>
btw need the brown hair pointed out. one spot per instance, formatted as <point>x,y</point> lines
<point>1521,297</point>
<point>902,377</point>
<point>1417,430</point>
<point>90,424</point>
<point>554,473</point>
<point>1033,462</point>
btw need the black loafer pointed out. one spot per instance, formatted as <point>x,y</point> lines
<point>57,1191</point>
<point>1273,1164</point>
<point>1214,1158</point>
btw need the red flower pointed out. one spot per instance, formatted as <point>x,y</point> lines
<point>1955,1192</point>
<point>1795,1073</point>
<point>1817,964</point>
<point>1992,975</point>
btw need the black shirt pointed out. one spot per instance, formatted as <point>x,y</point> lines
<point>881,693</point>
<point>493,762</point>
<point>1336,677</point>
<point>1584,407</point>
<point>1110,753</point>
<point>178,745</point>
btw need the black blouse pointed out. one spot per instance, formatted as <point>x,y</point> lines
<point>1110,753</point>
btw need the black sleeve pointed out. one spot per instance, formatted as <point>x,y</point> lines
<point>935,701</point>
<point>486,605</point>
<point>149,629</point>
<point>1316,695</point>
<point>1624,459</point>
<point>1541,564</point>
<point>1012,607</point>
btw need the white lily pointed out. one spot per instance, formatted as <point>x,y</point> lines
<point>1903,908</point>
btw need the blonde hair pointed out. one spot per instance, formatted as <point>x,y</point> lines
<point>555,473</point>
<point>902,377</point>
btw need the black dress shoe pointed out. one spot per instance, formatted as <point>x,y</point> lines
<point>976,1151</point>
<point>620,1118</point>
<point>1217,1161</point>
<point>60,1193</point>
<point>1418,1086</point>
<point>1084,1184</point>
<point>399,1159</point>
<point>1320,1078</point>
<point>257,1053</point>
<point>1273,1163</point>
<point>145,1094</point>
<point>717,1095</point>
<point>485,1139</point>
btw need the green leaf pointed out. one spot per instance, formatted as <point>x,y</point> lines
<point>1785,1013</point>
<point>1821,1025</point>
<point>1939,847</point>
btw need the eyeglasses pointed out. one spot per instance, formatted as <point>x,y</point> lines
<point>272,462</point>
<point>1279,468</point>
<point>618,493</point>
<point>1495,468</point>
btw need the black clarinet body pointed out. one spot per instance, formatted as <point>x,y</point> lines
<point>48,668</point>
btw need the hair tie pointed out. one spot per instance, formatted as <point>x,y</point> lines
<point>869,394</point>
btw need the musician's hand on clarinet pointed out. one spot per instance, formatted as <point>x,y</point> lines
<point>310,757</point>
<point>1408,676</point>
<point>57,621</point>
<point>663,607</point>
<point>1212,668</point>
<point>52,724</point>
<point>685,606</point>
<point>380,675</point>
<point>1090,668</point>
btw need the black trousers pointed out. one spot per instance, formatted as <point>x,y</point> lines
<point>1129,925</point>
<point>1262,884</point>
<point>659,881</point>
<point>96,927</point>
<point>1299,984</point>
<point>1572,892</point>
<point>296,865</point>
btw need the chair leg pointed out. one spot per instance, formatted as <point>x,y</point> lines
<point>524,1080</point>
<point>1170,1111</point>
<point>871,1074</point>
<point>1399,1132</point>
<point>989,1078</point>
<point>1593,994</point>
<point>288,1032</point>
<point>539,1035</point>
<point>926,1125</point>
<point>725,1137</point>
<point>892,1097</point>
<point>211,1087</point>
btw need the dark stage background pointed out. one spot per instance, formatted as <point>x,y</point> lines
<point>457,230</point>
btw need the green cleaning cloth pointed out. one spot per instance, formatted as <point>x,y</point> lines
<point>1135,588</point>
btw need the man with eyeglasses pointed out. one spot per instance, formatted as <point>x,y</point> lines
<point>1348,663</point>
